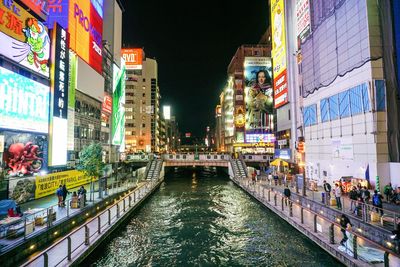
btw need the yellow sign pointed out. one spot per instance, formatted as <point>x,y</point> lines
<point>278,36</point>
<point>48,184</point>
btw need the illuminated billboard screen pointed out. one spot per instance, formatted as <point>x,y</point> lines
<point>257,138</point>
<point>303,18</point>
<point>118,104</point>
<point>167,112</point>
<point>279,53</point>
<point>38,6</point>
<point>24,103</point>
<point>85,26</point>
<point>24,39</point>
<point>133,58</point>
<point>258,95</point>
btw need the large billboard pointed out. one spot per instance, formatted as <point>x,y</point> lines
<point>85,25</point>
<point>24,39</point>
<point>258,95</point>
<point>133,58</point>
<point>118,110</point>
<point>279,53</point>
<point>303,18</point>
<point>24,103</point>
<point>39,7</point>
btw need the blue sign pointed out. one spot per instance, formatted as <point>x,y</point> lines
<point>284,153</point>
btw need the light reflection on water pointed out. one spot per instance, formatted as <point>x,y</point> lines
<point>200,219</point>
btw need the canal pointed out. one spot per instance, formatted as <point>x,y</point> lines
<point>200,218</point>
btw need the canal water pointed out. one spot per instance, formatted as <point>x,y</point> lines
<point>200,218</point>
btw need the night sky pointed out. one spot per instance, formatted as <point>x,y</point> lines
<point>193,42</point>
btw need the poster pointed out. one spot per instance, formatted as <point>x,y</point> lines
<point>342,149</point>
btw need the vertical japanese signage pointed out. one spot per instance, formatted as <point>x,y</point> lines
<point>59,88</point>
<point>279,53</point>
<point>39,7</point>
<point>303,18</point>
<point>118,110</point>
<point>24,39</point>
<point>133,58</point>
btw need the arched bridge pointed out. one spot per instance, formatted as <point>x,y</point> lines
<point>214,160</point>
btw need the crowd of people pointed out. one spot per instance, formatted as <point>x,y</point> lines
<point>77,200</point>
<point>392,195</point>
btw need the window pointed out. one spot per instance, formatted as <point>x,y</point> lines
<point>333,107</point>
<point>143,125</point>
<point>356,106</point>
<point>324,106</point>
<point>380,95</point>
<point>129,117</point>
<point>144,94</point>
<point>144,80</point>
<point>129,109</point>
<point>289,114</point>
<point>344,104</point>
<point>364,90</point>
<point>310,115</point>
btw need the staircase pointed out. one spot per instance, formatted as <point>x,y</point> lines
<point>154,169</point>
<point>239,168</point>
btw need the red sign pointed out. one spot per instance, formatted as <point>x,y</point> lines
<point>133,58</point>
<point>107,104</point>
<point>188,135</point>
<point>39,7</point>
<point>281,89</point>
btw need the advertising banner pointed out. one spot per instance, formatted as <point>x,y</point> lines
<point>24,103</point>
<point>47,184</point>
<point>39,7</point>
<point>260,138</point>
<point>106,107</point>
<point>133,58</point>
<point>258,95</point>
<point>24,39</point>
<point>24,153</point>
<point>303,18</point>
<point>21,189</point>
<point>342,149</point>
<point>118,110</point>
<point>85,25</point>
<point>279,53</point>
<point>284,153</point>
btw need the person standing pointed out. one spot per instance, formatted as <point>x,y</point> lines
<point>287,194</point>
<point>377,202</point>
<point>327,189</point>
<point>338,195</point>
<point>65,192</point>
<point>366,195</point>
<point>82,196</point>
<point>388,191</point>
<point>59,194</point>
<point>344,226</point>
<point>353,198</point>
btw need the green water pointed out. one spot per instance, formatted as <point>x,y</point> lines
<point>200,218</point>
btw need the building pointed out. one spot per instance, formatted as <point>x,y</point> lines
<point>348,121</point>
<point>142,105</point>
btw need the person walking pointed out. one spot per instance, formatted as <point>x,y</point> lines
<point>345,224</point>
<point>59,194</point>
<point>377,202</point>
<point>366,195</point>
<point>388,191</point>
<point>65,192</point>
<point>338,195</point>
<point>353,198</point>
<point>287,194</point>
<point>327,189</point>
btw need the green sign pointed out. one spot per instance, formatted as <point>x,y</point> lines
<point>118,111</point>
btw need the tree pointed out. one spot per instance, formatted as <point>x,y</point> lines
<point>90,161</point>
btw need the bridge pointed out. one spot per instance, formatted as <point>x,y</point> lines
<point>213,160</point>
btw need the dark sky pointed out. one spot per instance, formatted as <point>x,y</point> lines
<point>193,42</point>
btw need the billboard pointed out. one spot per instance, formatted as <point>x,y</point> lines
<point>279,53</point>
<point>39,7</point>
<point>24,39</point>
<point>118,110</point>
<point>58,13</point>
<point>106,107</point>
<point>85,26</point>
<point>24,103</point>
<point>303,18</point>
<point>24,153</point>
<point>260,138</point>
<point>167,112</point>
<point>133,58</point>
<point>258,95</point>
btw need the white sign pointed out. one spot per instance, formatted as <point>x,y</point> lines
<point>1,143</point>
<point>303,18</point>
<point>342,149</point>
<point>282,142</point>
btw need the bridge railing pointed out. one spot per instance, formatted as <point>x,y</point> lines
<point>193,157</point>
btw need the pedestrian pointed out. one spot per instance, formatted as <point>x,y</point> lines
<point>270,179</point>
<point>358,206</point>
<point>327,189</point>
<point>276,177</point>
<point>388,191</point>
<point>253,177</point>
<point>257,175</point>
<point>59,194</point>
<point>345,225</point>
<point>287,194</point>
<point>377,202</point>
<point>353,198</point>
<point>65,192</point>
<point>82,196</point>
<point>338,195</point>
<point>366,195</point>
<point>396,237</point>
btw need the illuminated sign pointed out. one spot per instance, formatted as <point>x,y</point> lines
<point>188,135</point>
<point>284,153</point>
<point>167,112</point>
<point>24,39</point>
<point>133,58</point>
<point>279,53</point>
<point>107,104</point>
<point>118,104</point>
<point>39,7</point>
<point>85,26</point>
<point>303,18</point>
<point>58,13</point>
<point>259,97</point>
<point>60,72</point>
<point>260,138</point>
<point>24,103</point>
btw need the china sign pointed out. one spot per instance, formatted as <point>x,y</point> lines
<point>85,26</point>
<point>24,103</point>
<point>24,39</point>
<point>39,7</point>
<point>279,53</point>
<point>133,58</point>
<point>303,18</point>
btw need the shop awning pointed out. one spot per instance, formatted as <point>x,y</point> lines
<point>279,162</point>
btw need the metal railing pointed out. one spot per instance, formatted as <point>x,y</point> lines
<point>63,251</point>
<point>317,222</point>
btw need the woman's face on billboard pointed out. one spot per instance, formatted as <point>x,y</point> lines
<point>261,77</point>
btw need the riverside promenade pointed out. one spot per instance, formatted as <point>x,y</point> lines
<point>321,225</point>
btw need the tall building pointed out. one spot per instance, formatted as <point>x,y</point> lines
<point>142,106</point>
<point>333,59</point>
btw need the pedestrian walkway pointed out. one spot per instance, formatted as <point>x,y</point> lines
<point>356,251</point>
<point>37,213</point>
